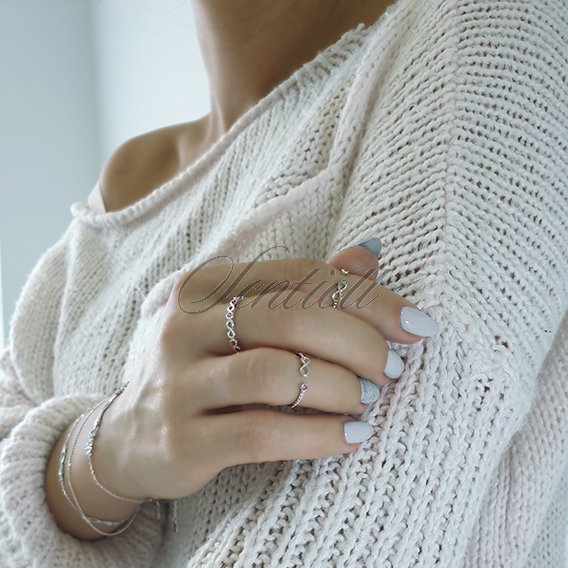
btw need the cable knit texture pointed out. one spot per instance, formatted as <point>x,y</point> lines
<point>443,129</point>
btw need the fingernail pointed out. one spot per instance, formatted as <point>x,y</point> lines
<point>370,392</point>
<point>356,432</point>
<point>394,366</point>
<point>372,243</point>
<point>416,321</point>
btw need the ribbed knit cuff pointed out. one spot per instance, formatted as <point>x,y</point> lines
<point>29,535</point>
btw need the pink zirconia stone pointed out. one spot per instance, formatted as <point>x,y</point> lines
<point>304,387</point>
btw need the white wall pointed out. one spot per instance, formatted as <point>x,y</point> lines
<point>78,77</point>
<point>148,67</point>
<point>49,148</point>
<point>1,303</point>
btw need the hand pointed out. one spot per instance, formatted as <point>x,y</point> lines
<point>172,430</point>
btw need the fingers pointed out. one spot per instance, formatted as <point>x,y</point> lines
<point>206,286</point>
<point>215,281</point>
<point>329,334</point>
<point>259,435</point>
<point>360,259</point>
<point>396,318</point>
<point>209,284</point>
<point>271,376</point>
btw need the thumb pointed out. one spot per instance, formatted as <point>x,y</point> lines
<point>359,258</point>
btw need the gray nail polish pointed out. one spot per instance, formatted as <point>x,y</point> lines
<point>356,432</point>
<point>417,322</point>
<point>372,243</point>
<point>370,392</point>
<point>394,366</point>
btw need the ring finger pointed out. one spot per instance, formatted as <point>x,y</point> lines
<point>327,333</point>
<point>266,375</point>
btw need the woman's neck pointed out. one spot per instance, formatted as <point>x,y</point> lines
<point>250,46</point>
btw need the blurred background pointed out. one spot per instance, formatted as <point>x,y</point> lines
<point>78,77</point>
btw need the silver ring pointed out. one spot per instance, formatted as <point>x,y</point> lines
<point>305,372</point>
<point>340,287</point>
<point>230,323</point>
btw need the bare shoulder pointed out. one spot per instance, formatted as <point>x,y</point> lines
<point>146,161</point>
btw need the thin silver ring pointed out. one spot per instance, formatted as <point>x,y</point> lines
<point>340,287</point>
<point>305,372</point>
<point>230,323</point>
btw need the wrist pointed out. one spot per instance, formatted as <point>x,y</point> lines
<point>110,457</point>
<point>94,500</point>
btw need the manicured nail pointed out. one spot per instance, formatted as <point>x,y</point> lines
<point>394,366</point>
<point>416,321</point>
<point>356,432</point>
<point>372,243</point>
<point>369,391</point>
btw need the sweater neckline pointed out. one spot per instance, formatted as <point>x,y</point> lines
<point>323,63</point>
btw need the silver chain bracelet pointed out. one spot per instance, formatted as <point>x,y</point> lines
<point>73,500</point>
<point>91,443</point>
<point>71,496</point>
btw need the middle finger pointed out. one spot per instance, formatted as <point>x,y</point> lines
<point>327,333</point>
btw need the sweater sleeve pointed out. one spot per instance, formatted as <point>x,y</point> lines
<point>32,417</point>
<point>533,472</point>
<point>473,228</point>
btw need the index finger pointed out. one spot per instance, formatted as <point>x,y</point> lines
<point>207,285</point>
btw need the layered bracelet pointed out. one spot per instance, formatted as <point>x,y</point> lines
<point>64,475</point>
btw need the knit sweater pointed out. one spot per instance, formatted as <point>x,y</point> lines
<point>442,128</point>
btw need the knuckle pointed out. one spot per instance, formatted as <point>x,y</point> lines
<point>256,436</point>
<point>261,369</point>
<point>292,269</point>
<point>303,320</point>
<point>284,321</point>
<point>183,281</point>
<point>290,322</point>
<point>176,330</point>
<point>177,290</point>
<point>167,332</point>
<point>187,287</point>
<point>299,268</point>
<point>255,372</point>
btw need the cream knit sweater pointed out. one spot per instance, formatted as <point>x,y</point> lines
<point>442,128</point>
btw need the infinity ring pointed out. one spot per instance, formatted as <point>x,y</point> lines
<point>304,371</point>
<point>230,323</point>
<point>340,288</point>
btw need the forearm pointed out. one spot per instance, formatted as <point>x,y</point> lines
<point>92,499</point>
